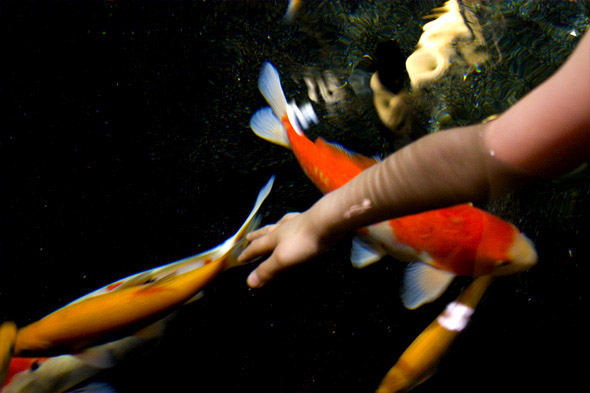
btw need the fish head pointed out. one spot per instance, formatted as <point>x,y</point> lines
<point>521,256</point>
<point>21,370</point>
<point>503,249</point>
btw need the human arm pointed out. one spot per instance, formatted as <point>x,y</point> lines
<point>543,135</point>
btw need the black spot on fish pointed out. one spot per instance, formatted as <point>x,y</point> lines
<point>35,365</point>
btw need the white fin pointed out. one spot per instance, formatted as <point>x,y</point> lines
<point>262,194</point>
<point>364,253</point>
<point>98,357</point>
<point>264,191</point>
<point>269,84</point>
<point>423,284</point>
<point>267,126</point>
<point>250,224</point>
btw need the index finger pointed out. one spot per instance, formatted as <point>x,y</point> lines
<point>262,245</point>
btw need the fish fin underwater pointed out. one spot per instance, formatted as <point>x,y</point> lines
<point>238,240</point>
<point>267,126</point>
<point>364,253</point>
<point>269,84</point>
<point>267,122</point>
<point>423,283</point>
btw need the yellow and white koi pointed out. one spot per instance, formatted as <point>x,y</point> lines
<point>419,360</point>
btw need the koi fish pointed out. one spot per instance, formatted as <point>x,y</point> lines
<point>418,361</point>
<point>61,373</point>
<point>443,243</point>
<point>128,305</point>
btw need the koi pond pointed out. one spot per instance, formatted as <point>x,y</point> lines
<point>125,145</point>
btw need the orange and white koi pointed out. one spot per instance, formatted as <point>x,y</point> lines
<point>122,308</point>
<point>443,243</point>
<point>419,360</point>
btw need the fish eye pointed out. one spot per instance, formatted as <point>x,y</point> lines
<point>35,365</point>
<point>502,263</point>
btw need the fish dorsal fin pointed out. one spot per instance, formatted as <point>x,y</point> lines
<point>362,161</point>
<point>423,284</point>
<point>364,253</point>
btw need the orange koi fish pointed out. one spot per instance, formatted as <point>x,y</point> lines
<point>128,305</point>
<point>418,361</point>
<point>443,243</point>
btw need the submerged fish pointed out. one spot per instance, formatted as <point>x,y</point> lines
<point>459,240</point>
<point>122,308</point>
<point>419,360</point>
<point>62,373</point>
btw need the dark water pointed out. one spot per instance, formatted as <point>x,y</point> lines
<point>124,145</point>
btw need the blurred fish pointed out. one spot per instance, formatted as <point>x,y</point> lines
<point>62,373</point>
<point>419,360</point>
<point>459,240</point>
<point>128,305</point>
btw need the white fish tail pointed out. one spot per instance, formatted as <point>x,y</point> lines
<point>269,84</point>
<point>237,242</point>
<point>266,122</point>
<point>267,126</point>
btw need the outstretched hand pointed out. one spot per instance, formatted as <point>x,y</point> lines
<point>292,240</point>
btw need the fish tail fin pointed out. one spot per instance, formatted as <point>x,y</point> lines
<point>238,241</point>
<point>269,84</point>
<point>8,332</point>
<point>266,122</point>
<point>266,125</point>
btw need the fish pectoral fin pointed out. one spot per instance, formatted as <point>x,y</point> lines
<point>423,284</point>
<point>364,253</point>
